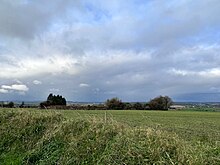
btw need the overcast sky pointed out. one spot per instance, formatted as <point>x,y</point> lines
<point>91,50</point>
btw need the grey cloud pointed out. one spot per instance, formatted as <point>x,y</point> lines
<point>174,23</point>
<point>162,27</point>
<point>129,75</point>
<point>25,20</point>
<point>135,52</point>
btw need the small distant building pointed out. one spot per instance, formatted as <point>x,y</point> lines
<point>177,107</point>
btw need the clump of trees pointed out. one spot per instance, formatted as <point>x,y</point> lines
<point>8,105</point>
<point>160,103</point>
<point>139,106</point>
<point>53,100</point>
<point>115,103</point>
<point>56,100</point>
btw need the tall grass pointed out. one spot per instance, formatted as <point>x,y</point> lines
<point>52,139</point>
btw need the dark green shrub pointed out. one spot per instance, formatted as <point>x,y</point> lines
<point>160,103</point>
<point>115,104</point>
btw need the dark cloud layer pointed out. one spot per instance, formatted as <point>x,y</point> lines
<point>25,19</point>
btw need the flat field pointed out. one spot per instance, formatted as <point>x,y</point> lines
<point>189,125</point>
<point>34,136</point>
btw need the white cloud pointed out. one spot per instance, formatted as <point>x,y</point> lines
<point>16,87</point>
<point>179,72</point>
<point>33,66</point>
<point>83,85</point>
<point>3,91</point>
<point>208,73</point>
<point>54,90</point>
<point>37,82</point>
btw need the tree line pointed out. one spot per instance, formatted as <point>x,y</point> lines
<point>59,102</point>
<point>158,103</point>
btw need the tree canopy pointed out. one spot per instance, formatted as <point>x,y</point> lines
<point>114,103</point>
<point>53,100</point>
<point>160,103</point>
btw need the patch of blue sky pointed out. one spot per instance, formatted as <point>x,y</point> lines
<point>208,36</point>
<point>96,14</point>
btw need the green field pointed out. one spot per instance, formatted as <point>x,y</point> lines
<point>161,137</point>
<point>204,126</point>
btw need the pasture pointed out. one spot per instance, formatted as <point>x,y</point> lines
<point>112,137</point>
<point>190,125</point>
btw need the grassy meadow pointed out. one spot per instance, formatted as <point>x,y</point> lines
<point>188,124</point>
<point>33,136</point>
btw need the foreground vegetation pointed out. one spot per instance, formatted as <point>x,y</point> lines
<point>109,137</point>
